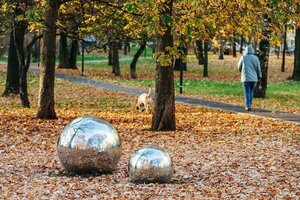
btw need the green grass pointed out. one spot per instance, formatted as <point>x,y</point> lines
<point>91,57</point>
<point>210,87</point>
<point>192,87</point>
<point>104,56</point>
<point>285,92</point>
<point>3,59</point>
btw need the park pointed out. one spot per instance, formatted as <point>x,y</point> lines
<point>144,100</point>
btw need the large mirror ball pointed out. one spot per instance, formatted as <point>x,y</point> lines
<point>89,145</point>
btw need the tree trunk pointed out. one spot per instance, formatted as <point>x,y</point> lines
<point>115,59</point>
<point>221,51</point>
<point>135,59</point>
<point>126,48</point>
<point>110,57</point>
<point>264,47</point>
<point>73,54</point>
<point>205,66</point>
<point>19,34</point>
<point>120,45</point>
<point>199,52</point>
<point>23,73</point>
<point>184,50</point>
<point>13,73</point>
<point>47,69</point>
<point>284,49</point>
<point>164,110</point>
<point>63,52</point>
<point>36,51</point>
<point>241,44</point>
<point>255,46</point>
<point>234,48</point>
<point>154,46</point>
<point>296,71</point>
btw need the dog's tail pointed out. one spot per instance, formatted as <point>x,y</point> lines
<point>149,91</point>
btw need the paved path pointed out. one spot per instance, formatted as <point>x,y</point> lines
<point>183,99</point>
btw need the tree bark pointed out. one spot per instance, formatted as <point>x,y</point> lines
<point>241,44</point>
<point>264,47</point>
<point>199,52</point>
<point>164,109</point>
<point>35,51</point>
<point>19,34</point>
<point>47,70</point>
<point>221,51</point>
<point>233,48</point>
<point>205,65</point>
<point>284,49</point>
<point>135,59</point>
<point>126,48</point>
<point>73,54</point>
<point>63,52</point>
<point>110,57</point>
<point>296,71</point>
<point>115,59</point>
<point>154,46</point>
<point>13,72</point>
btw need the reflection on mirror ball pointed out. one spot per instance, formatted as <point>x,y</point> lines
<point>150,165</point>
<point>89,145</point>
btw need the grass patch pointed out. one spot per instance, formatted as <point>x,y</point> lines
<point>3,59</point>
<point>210,87</point>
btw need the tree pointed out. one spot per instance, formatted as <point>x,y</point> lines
<point>73,54</point>
<point>199,51</point>
<point>205,64</point>
<point>115,58</point>
<point>47,70</point>
<point>19,34</point>
<point>264,48</point>
<point>284,48</point>
<point>241,44</point>
<point>234,46</point>
<point>13,72</point>
<point>19,26</point>
<point>221,50</point>
<point>135,59</point>
<point>164,110</point>
<point>63,52</point>
<point>296,71</point>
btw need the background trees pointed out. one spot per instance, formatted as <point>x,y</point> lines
<point>173,24</point>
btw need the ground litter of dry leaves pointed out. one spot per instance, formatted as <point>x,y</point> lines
<point>216,154</point>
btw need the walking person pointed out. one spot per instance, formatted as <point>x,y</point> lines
<point>250,74</point>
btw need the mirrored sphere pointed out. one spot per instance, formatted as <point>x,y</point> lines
<point>89,145</point>
<point>150,165</point>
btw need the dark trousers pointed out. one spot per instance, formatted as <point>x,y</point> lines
<point>248,91</point>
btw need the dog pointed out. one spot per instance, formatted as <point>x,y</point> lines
<point>144,101</point>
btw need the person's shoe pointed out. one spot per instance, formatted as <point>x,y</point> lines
<point>247,109</point>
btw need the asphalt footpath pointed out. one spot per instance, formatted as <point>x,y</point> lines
<point>285,116</point>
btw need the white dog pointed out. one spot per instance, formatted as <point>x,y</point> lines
<point>144,101</point>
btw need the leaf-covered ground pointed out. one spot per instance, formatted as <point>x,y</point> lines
<point>216,154</point>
